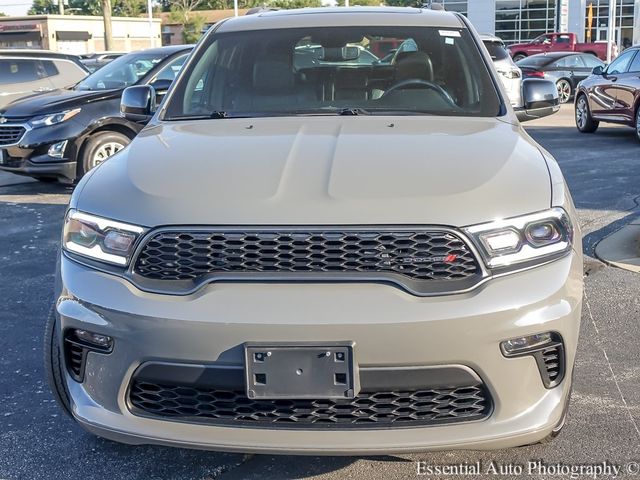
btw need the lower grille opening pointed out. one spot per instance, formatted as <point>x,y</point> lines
<point>375,409</point>
<point>75,356</point>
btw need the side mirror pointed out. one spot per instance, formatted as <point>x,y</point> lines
<point>138,103</point>
<point>540,99</point>
<point>161,85</point>
<point>599,70</point>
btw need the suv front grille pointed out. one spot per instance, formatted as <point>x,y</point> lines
<point>410,257</point>
<point>10,134</point>
<point>369,409</point>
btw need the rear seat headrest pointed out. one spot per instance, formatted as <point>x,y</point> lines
<point>273,75</point>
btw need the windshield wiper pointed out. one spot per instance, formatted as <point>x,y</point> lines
<point>207,116</point>
<point>352,111</point>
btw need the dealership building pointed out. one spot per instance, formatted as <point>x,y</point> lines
<point>77,34</point>
<point>521,20</point>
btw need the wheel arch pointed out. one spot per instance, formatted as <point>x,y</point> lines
<point>113,126</point>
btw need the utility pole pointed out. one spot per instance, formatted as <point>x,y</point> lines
<point>106,16</point>
<point>150,11</point>
<point>61,7</point>
<point>612,29</point>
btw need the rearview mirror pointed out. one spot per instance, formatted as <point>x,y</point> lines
<point>599,70</point>
<point>540,98</point>
<point>138,103</point>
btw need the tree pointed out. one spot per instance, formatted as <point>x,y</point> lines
<point>192,24</point>
<point>42,7</point>
<point>294,3</point>
<point>106,17</point>
<point>129,8</point>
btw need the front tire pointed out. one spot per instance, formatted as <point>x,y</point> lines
<point>54,364</point>
<point>584,120</point>
<point>519,56</point>
<point>638,122</point>
<point>564,90</point>
<point>99,147</point>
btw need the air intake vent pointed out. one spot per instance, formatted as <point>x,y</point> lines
<point>10,134</point>
<point>377,409</point>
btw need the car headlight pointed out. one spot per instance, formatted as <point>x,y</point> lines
<point>53,118</point>
<point>529,238</point>
<point>99,238</point>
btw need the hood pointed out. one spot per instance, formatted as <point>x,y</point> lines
<point>321,171</point>
<point>55,101</point>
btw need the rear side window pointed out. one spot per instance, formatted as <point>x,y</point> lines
<point>18,71</point>
<point>49,68</point>
<point>591,61</point>
<point>572,61</point>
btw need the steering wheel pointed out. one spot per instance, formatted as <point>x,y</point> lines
<point>416,82</point>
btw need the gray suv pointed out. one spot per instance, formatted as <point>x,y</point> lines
<point>27,72</point>
<point>301,253</point>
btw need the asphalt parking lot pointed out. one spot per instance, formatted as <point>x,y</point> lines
<point>38,441</point>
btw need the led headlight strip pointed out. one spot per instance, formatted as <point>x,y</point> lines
<point>100,238</point>
<point>528,238</point>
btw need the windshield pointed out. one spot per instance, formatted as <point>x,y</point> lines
<point>122,72</point>
<point>332,70</point>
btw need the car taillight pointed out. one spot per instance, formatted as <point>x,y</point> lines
<point>534,73</point>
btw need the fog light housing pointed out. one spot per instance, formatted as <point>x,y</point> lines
<point>546,348</point>
<point>57,149</point>
<point>77,345</point>
<point>95,339</point>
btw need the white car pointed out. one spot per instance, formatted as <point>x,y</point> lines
<point>510,73</point>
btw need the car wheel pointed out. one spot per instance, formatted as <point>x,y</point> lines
<point>584,120</point>
<point>99,147</point>
<point>638,122</point>
<point>564,90</point>
<point>518,57</point>
<point>54,363</point>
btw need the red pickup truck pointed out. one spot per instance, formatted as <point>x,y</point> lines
<point>560,42</point>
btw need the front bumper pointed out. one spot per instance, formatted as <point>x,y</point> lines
<point>30,155</point>
<point>389,328</point>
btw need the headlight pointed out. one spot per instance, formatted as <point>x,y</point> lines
<point>53,118</point>
<point>530,238</point>
<point>99,238</point>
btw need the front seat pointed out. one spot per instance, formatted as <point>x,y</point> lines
<point>413,65</point>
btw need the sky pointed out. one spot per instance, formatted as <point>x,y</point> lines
<point>15,7</point>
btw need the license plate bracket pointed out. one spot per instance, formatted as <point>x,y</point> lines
<point>300,371</point>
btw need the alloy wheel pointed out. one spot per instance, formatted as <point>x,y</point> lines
<point>564,91</point>
<point>581,112</point>
<point>638,123</point>
<point>105,151</point>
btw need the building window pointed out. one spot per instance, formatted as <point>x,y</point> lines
<point>522,20</point>
<point>459,6</point>
<point>599,28</point>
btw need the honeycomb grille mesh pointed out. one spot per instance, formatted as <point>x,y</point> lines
<point>374,409</point>
<point>421,255</point>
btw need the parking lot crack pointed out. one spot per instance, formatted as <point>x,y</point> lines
<point>606,357</point>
